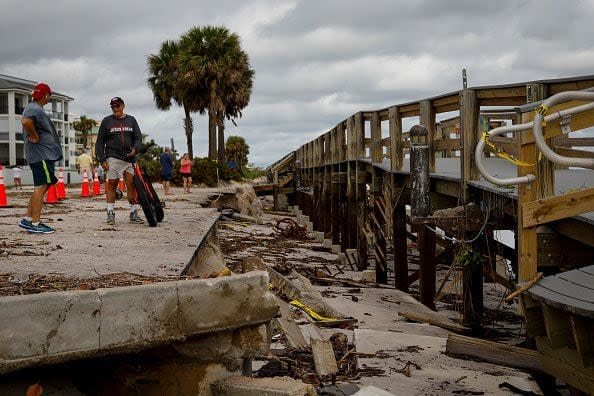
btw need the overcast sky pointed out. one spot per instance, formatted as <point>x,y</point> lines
<point>316,62</point>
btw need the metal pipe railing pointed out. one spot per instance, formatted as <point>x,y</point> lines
<point>540,115</point>
<point>536,125</point>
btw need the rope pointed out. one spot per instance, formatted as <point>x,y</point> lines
<point>291,229</point>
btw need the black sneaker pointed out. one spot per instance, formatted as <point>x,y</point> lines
<point>41,229</point>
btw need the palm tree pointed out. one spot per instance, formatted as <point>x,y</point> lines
<point>211,57</point>
<point>84,125</point>
<point>235,97</point>
<point>168,84</point>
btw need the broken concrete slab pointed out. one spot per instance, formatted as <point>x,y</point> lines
<point>276,386</point>
<point>323,356</point>
<point>62,326</point>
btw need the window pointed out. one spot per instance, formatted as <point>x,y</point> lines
<point>3,103</point>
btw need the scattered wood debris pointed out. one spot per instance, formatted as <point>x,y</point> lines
<point>11,284</point>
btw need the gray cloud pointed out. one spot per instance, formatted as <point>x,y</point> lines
<point>316,62</point>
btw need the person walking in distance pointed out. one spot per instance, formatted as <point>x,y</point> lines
<point>42,150</point>
<point>118,141</point>
<point>167,165</point>
<point>16,177</point>
<point>84,163</point>
<point>186,171</point>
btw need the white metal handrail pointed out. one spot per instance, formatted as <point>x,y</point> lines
<point>536,125</point>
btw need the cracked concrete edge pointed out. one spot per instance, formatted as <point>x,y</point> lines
<point>60,326</point>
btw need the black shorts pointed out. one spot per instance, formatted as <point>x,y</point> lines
<point>184,174</point>
<point>43,173</point>
<point>166,176</point>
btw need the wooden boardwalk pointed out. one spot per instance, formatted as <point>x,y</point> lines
<point>358,185</point>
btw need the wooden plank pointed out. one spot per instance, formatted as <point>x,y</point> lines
<point>566,141</point>
<point>435,320</point>
<point>569,152</point>
<point>558,328</point>
<point>493,352</point>
<point>396,146</point>
<point>510,101</point>
<point>323,356</point>
<point>359,135</point>
<point>447,144</point>
<point>558,207</point>
<point>504,92</point>
<point>469,121</point>
<point>564,364</point>
<point>289,327</point>
<point>583,334</point>
<point>376,138</point>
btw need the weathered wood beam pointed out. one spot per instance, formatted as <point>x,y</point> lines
<point>427,119</point>
<point>447,144</point>
<point>557,207</point>
<point>376,150</point>
<point>469,121</point>
<point>494,352</point>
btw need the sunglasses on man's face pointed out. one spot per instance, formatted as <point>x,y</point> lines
<point>116,106</point>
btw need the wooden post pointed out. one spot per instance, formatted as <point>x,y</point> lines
<point>420,208</point>
<point>378,220</point>
<point>400,246</point>
<point>527,248</point>
<point>396,143</point>
<point>359,135</point>
<point>469,123</point>
<point>376,138</point>
<point>428,120</point>
<point>545,171</point>
<point>361,223</point>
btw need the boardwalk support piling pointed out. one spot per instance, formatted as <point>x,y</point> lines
<point>420,203</point>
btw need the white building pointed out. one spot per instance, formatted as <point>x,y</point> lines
<point>15,94</point>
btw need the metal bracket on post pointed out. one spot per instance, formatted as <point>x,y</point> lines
<point>565,124</point>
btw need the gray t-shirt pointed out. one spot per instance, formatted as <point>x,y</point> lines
<point>48,148</point>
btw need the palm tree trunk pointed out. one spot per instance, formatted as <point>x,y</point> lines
<point>189,129</point>
<point>212,121</point>
<point>221,126</point>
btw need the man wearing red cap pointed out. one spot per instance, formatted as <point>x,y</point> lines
<point>42,150</point>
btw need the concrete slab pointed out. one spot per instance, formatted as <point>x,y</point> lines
<point>62,326</point>
<point>85,247</point>
<point>372,391</point>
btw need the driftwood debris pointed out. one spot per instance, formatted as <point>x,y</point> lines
<point>493,352</point>
<point>435,320</point>
<point>525,287</point>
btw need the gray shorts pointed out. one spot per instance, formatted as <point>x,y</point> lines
<point>117,167</point>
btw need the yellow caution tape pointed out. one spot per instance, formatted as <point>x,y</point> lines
<point>502,154</point>
<point>542,110</point>
<point>310,311</point>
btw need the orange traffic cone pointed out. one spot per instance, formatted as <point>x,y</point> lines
<point>52,195</point>
<point>121,184</point>
<point>60,186</point>
<point>85,186</point>
<point>3,200</point>
<point>96,184</point>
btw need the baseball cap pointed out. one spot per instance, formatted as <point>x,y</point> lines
<point>40,90</point>
<point>116,100</point>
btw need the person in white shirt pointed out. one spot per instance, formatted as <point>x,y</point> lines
<point>16,176</point>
